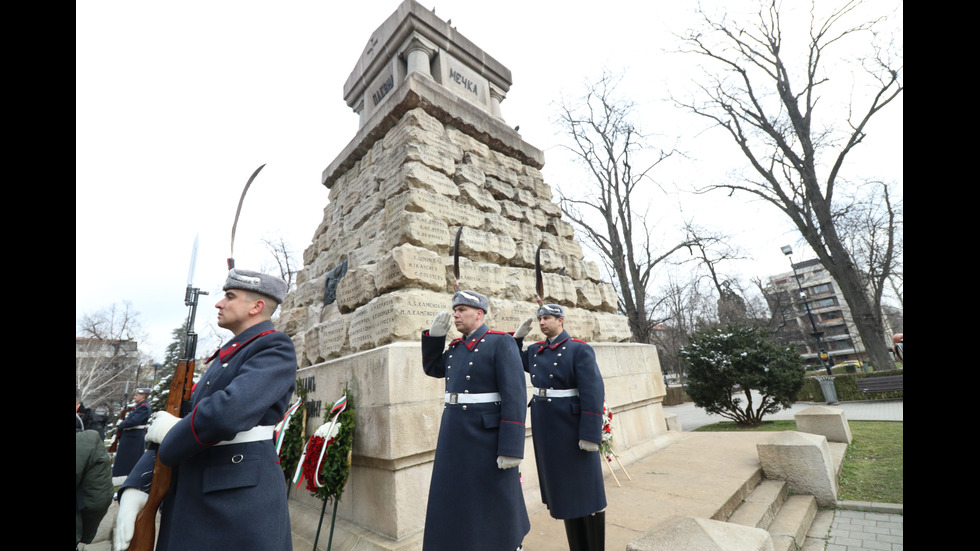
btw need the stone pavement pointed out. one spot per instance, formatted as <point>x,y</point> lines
<point>696,472</point>
<point>856,526</point>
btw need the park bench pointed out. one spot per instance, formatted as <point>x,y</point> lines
<point>890,383</point>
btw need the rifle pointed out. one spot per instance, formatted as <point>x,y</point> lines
<point>115,440</point>
<point>180,393</point>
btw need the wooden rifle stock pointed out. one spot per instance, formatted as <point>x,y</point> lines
<point>115,440</point>
<point>145,530</point>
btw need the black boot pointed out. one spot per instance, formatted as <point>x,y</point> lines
<point>575,532</point>
<point>595,531</point>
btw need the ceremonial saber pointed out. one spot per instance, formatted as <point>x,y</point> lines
<point>459,233</point>
<point>231,253</point>
<point>538,277</point>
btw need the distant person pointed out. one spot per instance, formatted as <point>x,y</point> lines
<point>93,484</point>
<point>227,490</point>
<point>898,346</point>
<point>82,414</point>
<point>475,497</point>
<point>566,413</point>
<point>132,431</point>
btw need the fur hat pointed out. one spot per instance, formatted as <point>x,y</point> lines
<point>471,298</point>
<point>551,309</point>
<point>256,282</point>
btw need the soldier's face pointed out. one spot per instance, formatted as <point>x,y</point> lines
<point>550,325</point>
<point>467,318</point>
<point>234,309</point>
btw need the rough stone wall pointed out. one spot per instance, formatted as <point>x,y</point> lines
<point>393,217</point>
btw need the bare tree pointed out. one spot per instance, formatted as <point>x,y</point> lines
<point>872,226</point>
<point>107,355</point>
<point>753,93</point>
<point>611,147</point>
<point>283,257</point>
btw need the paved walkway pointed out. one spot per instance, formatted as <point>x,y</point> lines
<point>856,526</point>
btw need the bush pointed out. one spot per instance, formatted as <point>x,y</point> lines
<point>746,358</point>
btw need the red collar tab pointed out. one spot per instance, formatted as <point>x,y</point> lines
<point>472,341</point>
<point>553,345</point>
<point>227,352</point>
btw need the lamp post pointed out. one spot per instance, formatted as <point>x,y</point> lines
<point>824,358</point>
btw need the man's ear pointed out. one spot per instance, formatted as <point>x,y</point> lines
<point>258,308</point>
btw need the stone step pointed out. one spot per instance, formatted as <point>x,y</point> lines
<point>760,507</point>
<point>791,524</point>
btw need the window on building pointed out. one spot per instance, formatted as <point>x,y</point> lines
<point>825,302</point>
<point>820,289</point>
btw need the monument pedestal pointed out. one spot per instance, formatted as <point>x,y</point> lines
<point>433,154</point>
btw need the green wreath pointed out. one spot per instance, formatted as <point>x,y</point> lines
<point>334,462</point>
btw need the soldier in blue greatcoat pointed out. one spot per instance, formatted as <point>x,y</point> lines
<point>475,497</point>
<point>227,489</point>
<point>132,430</point>
<point>566,424</point>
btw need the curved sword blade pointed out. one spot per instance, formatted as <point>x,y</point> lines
<point>538,277</point>
<point>238,211</point>
<point>459,232</point>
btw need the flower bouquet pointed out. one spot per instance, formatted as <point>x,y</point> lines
<point>605,447</point>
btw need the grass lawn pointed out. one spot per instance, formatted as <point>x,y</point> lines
<point>873,468</point>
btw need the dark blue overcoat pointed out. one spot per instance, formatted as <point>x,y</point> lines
<point>229,496</point>
<point>570,478</point>
<point>131,444</point>
<point>474,505</point>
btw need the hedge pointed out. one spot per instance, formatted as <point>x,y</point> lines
<point>847,389</point>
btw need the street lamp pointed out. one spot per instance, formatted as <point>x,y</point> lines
<point>824,358</point>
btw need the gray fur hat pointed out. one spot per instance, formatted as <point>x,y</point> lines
<point>471,298</point>
<point>264,284</point>
<point>143,390</point>
<point>551,309</point>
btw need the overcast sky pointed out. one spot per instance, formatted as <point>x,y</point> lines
<point>178,102</point>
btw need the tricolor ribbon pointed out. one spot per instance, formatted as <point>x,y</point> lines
<point>283,425</point>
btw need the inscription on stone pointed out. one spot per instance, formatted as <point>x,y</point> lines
<point>386,87</point>
<point>461,80</point>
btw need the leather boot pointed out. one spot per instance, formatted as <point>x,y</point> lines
<point>595,531</point>
<point>575,532</point>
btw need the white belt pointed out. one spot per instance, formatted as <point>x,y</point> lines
<point>555,393</point>
<point>255,434</point>
<point>137,427</point>
<point>479,398</point>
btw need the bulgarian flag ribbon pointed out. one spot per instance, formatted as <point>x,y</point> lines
<point>325,431</point>
<point>283,425</point>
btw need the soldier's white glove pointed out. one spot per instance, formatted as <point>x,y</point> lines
<point>440,325</point>
<point>160,424</point>
<point>504,462</point>
<point>523,329</point>
<point>131,502</point>
<point>585,445</point>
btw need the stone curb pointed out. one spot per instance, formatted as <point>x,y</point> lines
<point>871,507</point>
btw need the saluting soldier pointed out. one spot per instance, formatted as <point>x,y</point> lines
<point>566,416</point>
<point>132,431</point>
<point>475,497</point>
<point>227,490</point>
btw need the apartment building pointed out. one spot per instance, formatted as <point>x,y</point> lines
<point>810,285</point>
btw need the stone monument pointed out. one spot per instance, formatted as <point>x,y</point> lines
<point>433,153</point>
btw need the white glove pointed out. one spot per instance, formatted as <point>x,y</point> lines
<point>504,462</point>
<point>523,329</point>
<point>440,325</point>
<point>585,445</point>
<point>131,502</point>
<point>160,424</point>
